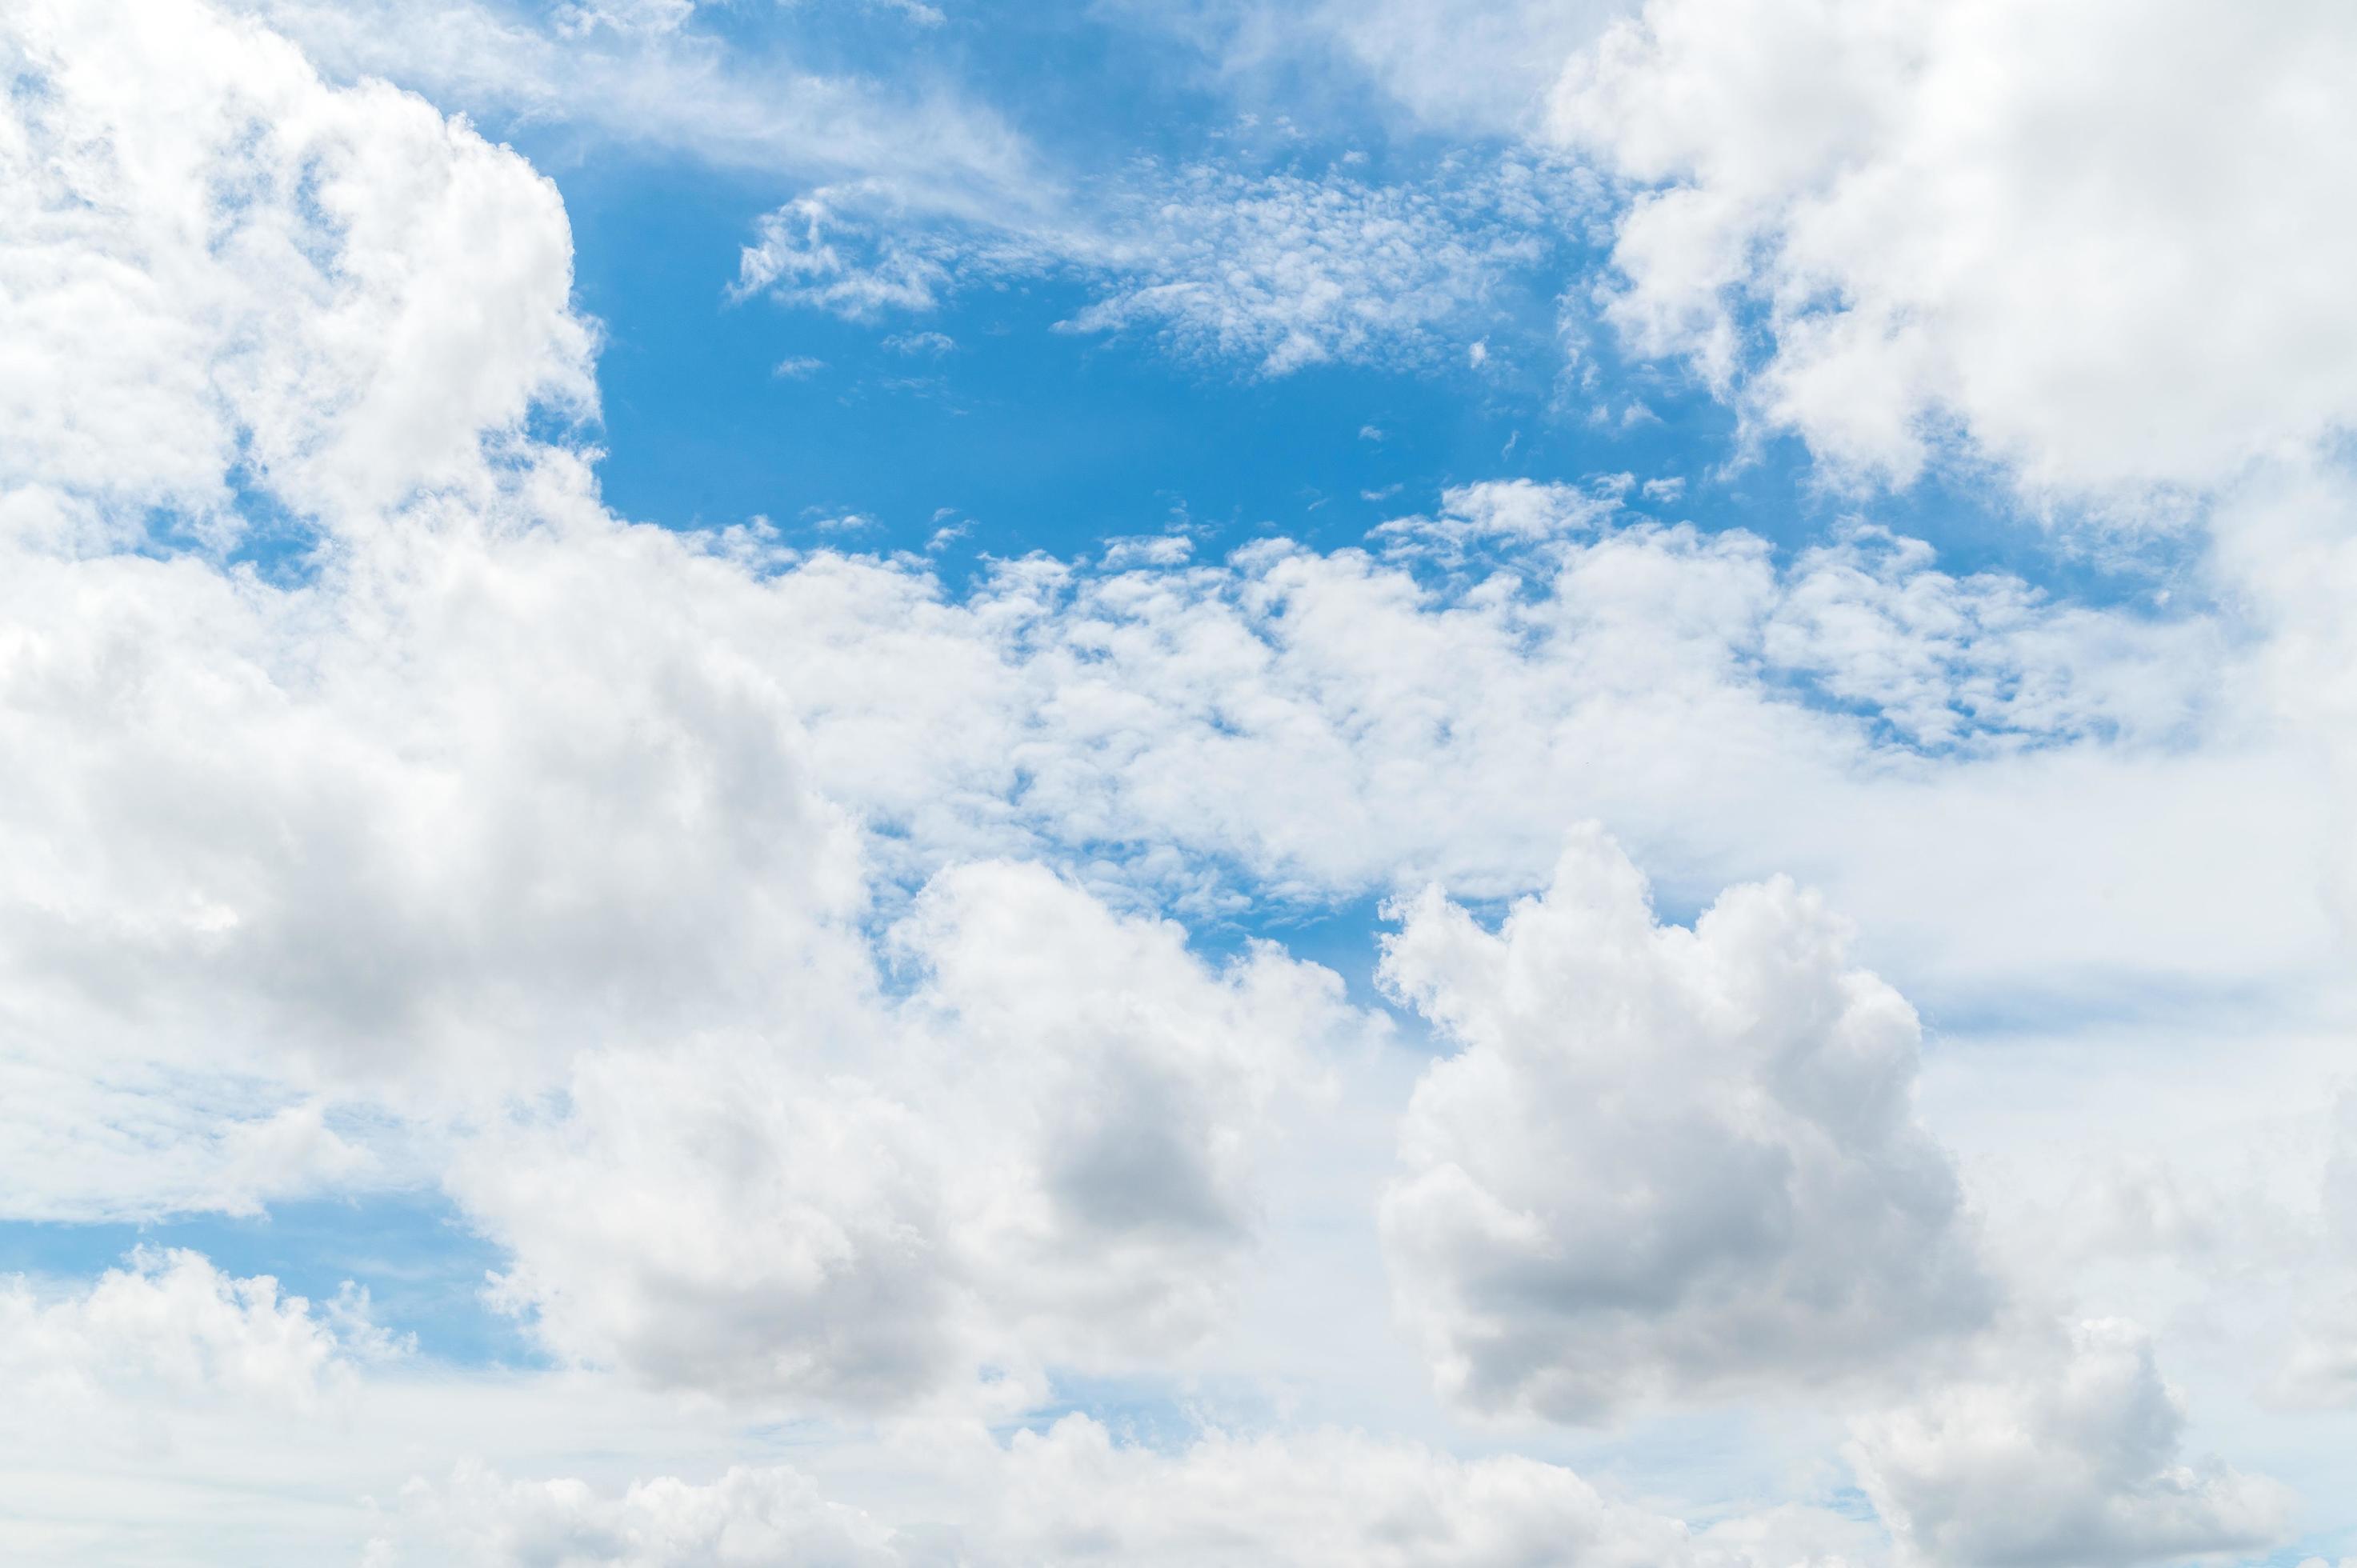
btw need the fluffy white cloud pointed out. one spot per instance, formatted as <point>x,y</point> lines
<point>1873,621</point>
<point>1073,1495</point>
<point>1501,513</point>
<point>2318,1369</point>
<point>438,801</point>
<point>1045,1156</point>
<point>499,779</point>
<point>497,843</point>
<point>2065,1451</point>
<point>2286,545</point>
<point>1664,1161</point>
<point>219,271</point>
<point>490,789</point>
<point>747,1519</point>
<point>2100,241</point>
<point>170,1330</point>
<point>1405,729</point>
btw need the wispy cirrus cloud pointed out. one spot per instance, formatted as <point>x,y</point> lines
<point>647,77</point>
<point>1273,270</point>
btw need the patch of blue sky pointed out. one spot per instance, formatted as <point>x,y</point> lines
<point>423,1269</point>
<point>2330,1546</point>
<point>1021,438</point>
<point>2092,999</point>
<point>1013,435</point>
<point>1151,1411</point>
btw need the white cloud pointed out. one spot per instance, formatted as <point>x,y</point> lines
<point>1871,618</point>
<point>1148,549</point>
<point>277,787</point>
<point>2097,242</point>
<point>1288,270</point>
<point>491,791</point>
<point>2317,1367</point>
<point>171,1331</point>
<point>1071,1495</point>
<point>807,253</point>
<point>1664,1161</point>
<point>2088,250</point>
<point>239,273</point>
<point>501,844</point>
<point>1279,270</point>
<point>1075,1496</point>
<point>92,1136</point>
<point>933,343</point>
<point>1467,67</point>
<point>642,76</point>
<point>1045,1154</point>
<point>1515,512</point>
<point>746,1519</point>
<point>2285,544</point>
<point>2064,1452</point>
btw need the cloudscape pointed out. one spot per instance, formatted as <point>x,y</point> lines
<point>1399,782</point>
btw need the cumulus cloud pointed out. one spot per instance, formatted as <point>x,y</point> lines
<point>249,278</point>
<point>1872,619</point>
<point>2287,543</point>
<point>1409,729</point>
<point>747,1519</point>
<point>2087,251</point>
<point>1664,1160</point>
<point>2318,1367</point>
<point>487,789</point>
<point>1045,1155</point>
<point>1073,1494</point>
<point>2065,1451</point>
<point>663,897</point>
<point>2096,241</point>
<point>259,792</point>
<point>170,1330</point>
<point>1503,512</point>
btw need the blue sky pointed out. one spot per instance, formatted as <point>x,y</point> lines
<point>1471,781</point>
<point>1043,439</point>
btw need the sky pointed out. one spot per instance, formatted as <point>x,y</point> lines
<point>1420,782</point>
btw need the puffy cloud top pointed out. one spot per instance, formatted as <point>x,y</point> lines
<point>2066,1451</point>
<point>2102,241</point>
<point>220,273</point>
<point>1664,1160</point>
